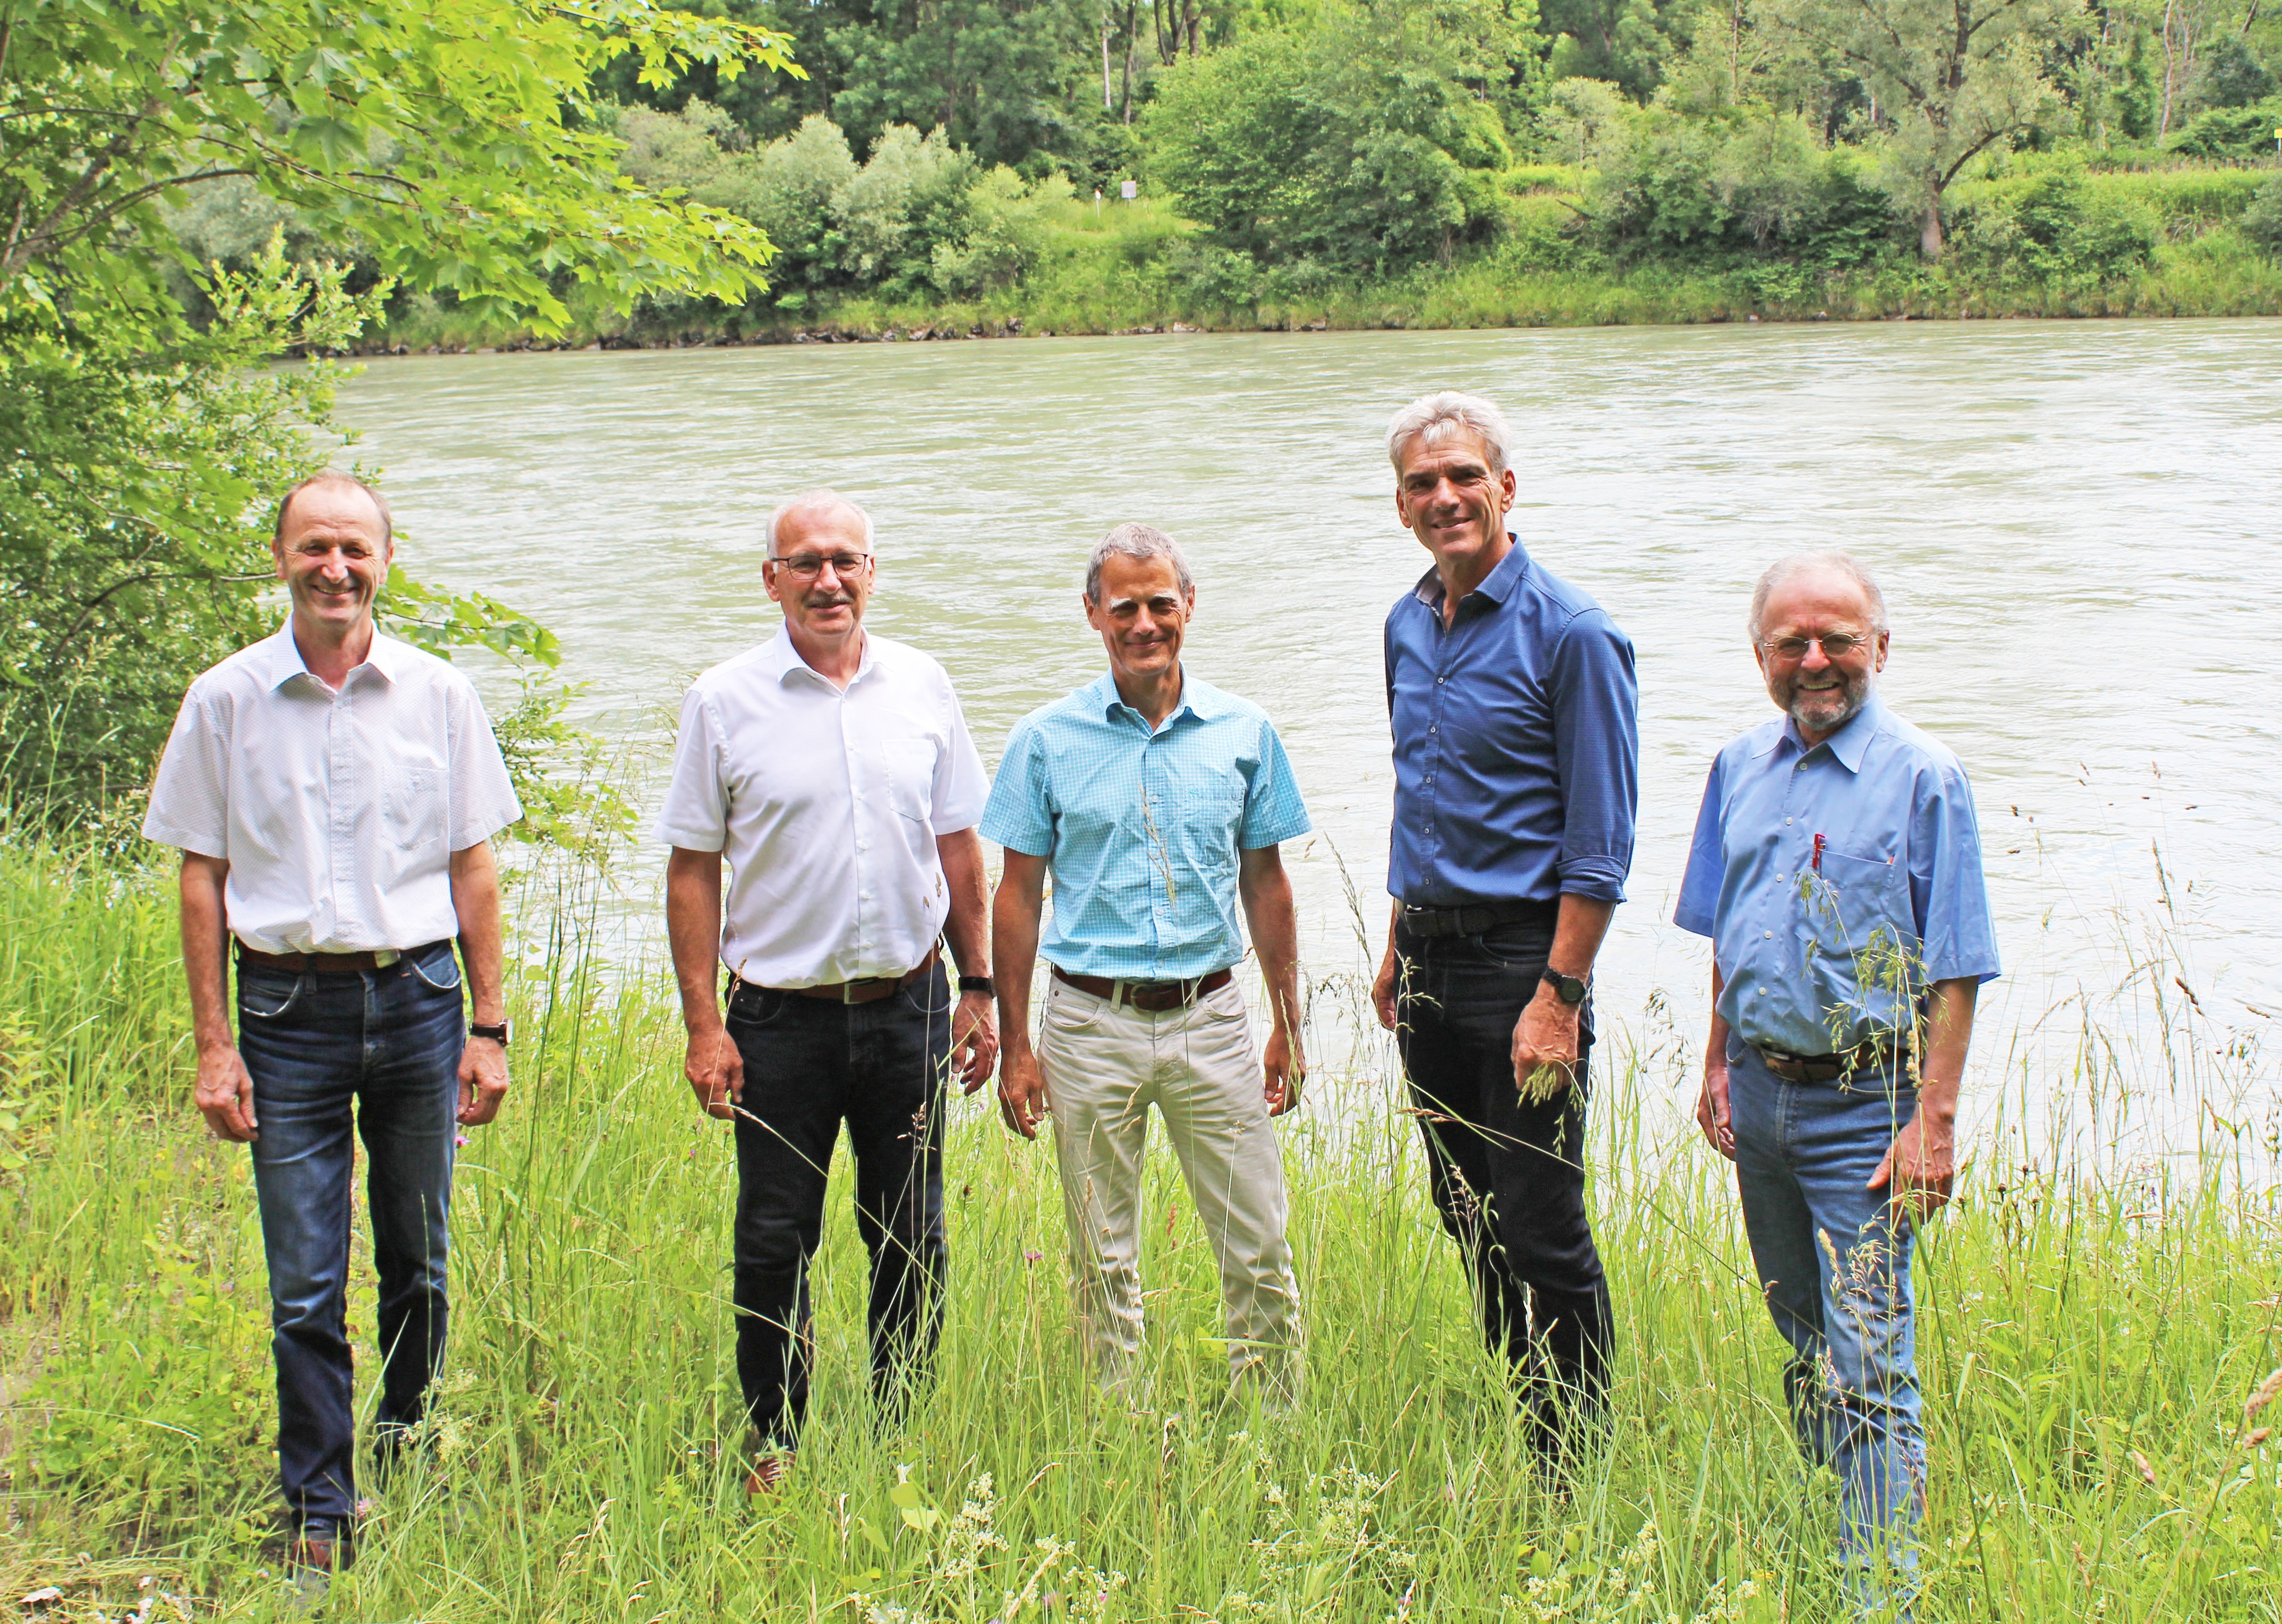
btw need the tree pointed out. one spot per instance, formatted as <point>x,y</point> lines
<point>456,145</point>
<point>1361,141</point>
<point>1956,77</point>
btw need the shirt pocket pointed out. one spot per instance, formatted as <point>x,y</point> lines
<point>413,807</point>
<point>1857,915</point>
<point>911,777</point>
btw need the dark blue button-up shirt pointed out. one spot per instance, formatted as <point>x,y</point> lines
<point>1517,743</point>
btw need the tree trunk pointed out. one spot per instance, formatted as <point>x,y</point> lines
<point>1930,233</point>
<point>1106,104</point>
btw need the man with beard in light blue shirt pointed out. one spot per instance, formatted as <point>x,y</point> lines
<point>1837,866</point>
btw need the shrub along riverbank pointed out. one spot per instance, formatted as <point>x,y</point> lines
<point>2091,1329</point>
<point>1652,241</point>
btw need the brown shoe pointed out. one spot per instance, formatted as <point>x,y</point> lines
<point>769,1473</point>
<point>320,1554</point>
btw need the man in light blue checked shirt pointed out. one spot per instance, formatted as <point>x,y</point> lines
<point>1158,804</point>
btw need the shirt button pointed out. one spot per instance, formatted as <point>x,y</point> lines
<point>1439,682</point>
<point>1771,936</point>
<point>1437,728</point>
<point>1786,823</point>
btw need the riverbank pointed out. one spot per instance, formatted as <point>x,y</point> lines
<point>2090,1331</point>
<point>2157,244</point>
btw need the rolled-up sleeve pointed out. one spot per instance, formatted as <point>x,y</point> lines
<point>1957,932</point>
<point>1698,911</point>
<point>1596,752</point>
<point>190,798</point>
<point>696,813</point>
<point>1019,816</point>
<point>1273,811</point>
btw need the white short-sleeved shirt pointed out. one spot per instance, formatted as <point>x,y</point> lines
<point>337,811</point>
<point>826,805</point>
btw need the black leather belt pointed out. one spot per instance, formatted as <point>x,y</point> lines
<point>1150,997</point>
<point>1474,918</point>
<point>1874,1055</point>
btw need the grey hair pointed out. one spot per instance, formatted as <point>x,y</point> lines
<point>822,497</point>
<point>1136,541</point>
<point>1800,564</point>
<point>1437,414</point>
<point>335,477</point>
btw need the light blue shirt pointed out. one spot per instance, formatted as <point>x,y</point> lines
<point>1837,883</point>
<point>1141,829</point>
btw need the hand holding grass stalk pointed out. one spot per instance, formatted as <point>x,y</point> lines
<point>1544,1048</point>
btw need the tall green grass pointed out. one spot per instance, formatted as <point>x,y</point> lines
<point>2092,1324</point>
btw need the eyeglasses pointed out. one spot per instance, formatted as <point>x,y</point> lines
<point>1835,646</point>
<point>809,566</point>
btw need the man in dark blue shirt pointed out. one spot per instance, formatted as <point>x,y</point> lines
<point>1516,768</point>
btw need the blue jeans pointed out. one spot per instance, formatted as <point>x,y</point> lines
<point>810,1064</point>
<point>378,1051</point>
<point>1508,1176</point>
<point>1834,1266</point>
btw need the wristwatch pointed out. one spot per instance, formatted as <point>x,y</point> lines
<point>976,984</point>
<point>500,1034</point>
<point>1568,988</point>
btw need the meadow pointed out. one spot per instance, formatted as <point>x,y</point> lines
<point>2096,1325</point>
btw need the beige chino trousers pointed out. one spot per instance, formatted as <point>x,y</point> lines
<point>1105,1067</point>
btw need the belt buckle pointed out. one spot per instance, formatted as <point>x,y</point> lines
<point>847,993</point>
<point>383,956</point>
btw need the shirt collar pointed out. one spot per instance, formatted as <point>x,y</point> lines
<point>1496,587</point>
<point>1849,745</point>
<point>1199,699</point>
<point>780,659</point>
<point>281,657</point>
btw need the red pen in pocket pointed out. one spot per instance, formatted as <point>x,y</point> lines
<point>1818,854</point>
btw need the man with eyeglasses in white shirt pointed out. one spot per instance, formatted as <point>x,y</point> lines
<point>833,771</point>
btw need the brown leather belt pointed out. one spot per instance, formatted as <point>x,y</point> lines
<point>871,990</point>
<point>331,964</point>
<point>1150,997</point>
<point>1872,1055</point>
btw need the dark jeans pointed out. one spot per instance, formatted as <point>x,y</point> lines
<point>809,1066</point>
<point>377,1052</point>
<point>1508,1176</point>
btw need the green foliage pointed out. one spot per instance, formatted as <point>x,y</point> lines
<point>2235,132</point>
<point>1748,181</point>
<point>454,138</point>
<point>2262,222</point>
<point>918,216</point>
<point>2058,227</point>
<point>1356,141</point>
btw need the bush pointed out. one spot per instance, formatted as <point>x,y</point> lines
<point>2231,132</point>
<point>1324,143</point>
<point>2262,222</point>
<point>1751,183</point>
<point>2058,227</point>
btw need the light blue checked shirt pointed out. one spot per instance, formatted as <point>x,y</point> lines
<point>1833,880</point>
<point>1141,830</point>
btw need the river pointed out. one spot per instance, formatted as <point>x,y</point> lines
<point>2077,526</point>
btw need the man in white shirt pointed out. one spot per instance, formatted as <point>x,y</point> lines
<point>832,769</point>
<point>335,793</point>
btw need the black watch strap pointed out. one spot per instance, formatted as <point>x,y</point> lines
<point>1568,988</point>
<point>976,984</point>
<point>500,1034</point>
